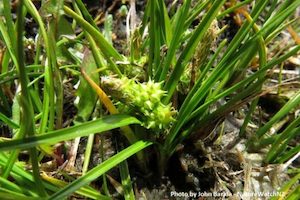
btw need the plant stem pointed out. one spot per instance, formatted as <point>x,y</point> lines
<point>27,115</point>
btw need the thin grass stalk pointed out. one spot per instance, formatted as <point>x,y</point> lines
<point>5,58</point>
<point>87,16</point>
<point>281,154</point>
<point>226,58</point>
<point>27,115</point>
<point>55,121</point>
<point>275,148</point>
<point>11,186</point>
<point>88,152</point>
<point>271,9</point>
<point>107,49</point>
<point>181,115</point>
<point>145,18</point>
<point>281,7</point>
<point>126,180</point>
<point>15,195</point>
<point>23,177</point>
<point>294,194</point>
<point>280,79</point>
<point>57,77</point>
<point>165,22</point>
<point>8,121</point>
<point>84,191</point>
<point>233,8</point>
<point>262,50</point>
<point>195,12</point>
<point>12,48</point>
<point>100,169</point>
<point>215,75</point>
<point>9,44</point>
<point>10,163</point>
<point>84,129</point>
<point>197,36</point>
<point>286,188</point>
<point>166,64</point>
<point>279,30</point>
<point>282,112</point>
<point>48,96</point>
<point>34,90</point>
<point>239,66</point>
<point>241,34</point>
<point>202,90</point>
<point>96,53</point>
<point>158,38</point>
<point>9,22</point>
<point>287,155</point>
<point>236,101</point>
<point>278,18</point>
<point>153,40</point>
<point>104,179</point>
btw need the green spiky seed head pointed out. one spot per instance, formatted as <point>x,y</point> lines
<point>144,98</point>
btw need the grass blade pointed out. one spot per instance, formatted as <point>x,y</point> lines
<point>99,170</point>
<point>107,49</point>
<point>197,36</point>
<point>84,129</point>
<point>281,113</point>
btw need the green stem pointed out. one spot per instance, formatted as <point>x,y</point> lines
<point>107,49</point>
<point>27,115</point>
<point>48,99</point>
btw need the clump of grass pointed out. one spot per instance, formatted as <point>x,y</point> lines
<point>177,81</point>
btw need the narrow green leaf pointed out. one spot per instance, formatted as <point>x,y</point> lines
<point>99,170</point>
<point>8,121</point>
<point>287,187</point>
<point>281,142</point>
<point>178,29</point>
<point>107,49</point>
<point>281,113</point>
<point>87,96</point>
<point>126,181</point>
<point>10,195</point>
<point>197,36</point>
<point>91,127</point>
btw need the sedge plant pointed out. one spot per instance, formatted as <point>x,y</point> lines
<point>179,78</point>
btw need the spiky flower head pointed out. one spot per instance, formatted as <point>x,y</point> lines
<point>144,98</point>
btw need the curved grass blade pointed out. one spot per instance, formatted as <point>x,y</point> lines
<point>27,125</point>
<point>8,121</point>
<point>174,43</point>
<point>85,129</point>
<point>107,49</point>
<point>25,179</point>
<point>84,191</point>
<point>286,188</point>
<point>282,112</point>
<point>281,142</point>
<point>197,36</point>
<point>100,169</point>
<point>10,195</point>
<point>48,101</point>
<point>288,155</point>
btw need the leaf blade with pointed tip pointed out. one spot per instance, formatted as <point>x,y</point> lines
<point>100,169</point>
<point>84,129</point>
